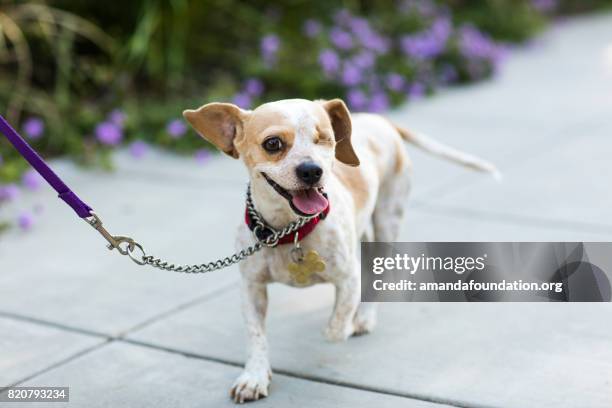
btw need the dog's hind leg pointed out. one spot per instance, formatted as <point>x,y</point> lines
<point>389,209</point>
<point>365,317</point>
<point>254,381</point>
<point>386,221</point>
<point>340,326</point>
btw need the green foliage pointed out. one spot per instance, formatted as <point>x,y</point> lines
<point>578,6</point>
<point>72,62</point>
<point>513,21</point>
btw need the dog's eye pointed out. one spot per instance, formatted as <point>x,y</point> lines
<point>273,144</point>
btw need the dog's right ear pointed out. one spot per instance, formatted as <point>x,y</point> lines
<point>219,123</point>
<point>341,123</point>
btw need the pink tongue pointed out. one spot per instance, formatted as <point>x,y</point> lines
<point>309,201</point>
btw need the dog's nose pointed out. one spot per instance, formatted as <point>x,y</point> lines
<point>309,172</point>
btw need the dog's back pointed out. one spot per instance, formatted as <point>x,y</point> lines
<point>380,184</point>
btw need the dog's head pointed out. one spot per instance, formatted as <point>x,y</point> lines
<point>290,144</point>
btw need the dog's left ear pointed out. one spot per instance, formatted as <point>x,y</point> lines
<point>341,123</point>
<point>219,123</point>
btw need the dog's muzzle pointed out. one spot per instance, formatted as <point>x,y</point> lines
<point>304,202</point>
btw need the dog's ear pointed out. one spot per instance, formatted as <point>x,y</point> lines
<point>219,123</point>
<point>341,123</point>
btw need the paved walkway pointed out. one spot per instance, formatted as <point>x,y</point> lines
<point>119,335</point>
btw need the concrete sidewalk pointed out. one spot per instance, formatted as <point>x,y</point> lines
<point>72,314</point>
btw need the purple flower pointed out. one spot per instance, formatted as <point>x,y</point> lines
<point>367,36</point>
<point>312,28</point>
<point>25,220</point>
<point>379,102</point>
<point>109,133</point>
<point>9,192</point>
<point>270,45</point>
<point>351,75</point>
<point>254,87</point>
<point>31,180</point>
<point>364,60</point>
<point>429,43</point>
<point>418,47</point>
<point>441,29</point>
<point>340,38</point>
<point>329,61</point>
<point>417,90</point>
<point>395,82</point>
<point>138,149</point>
<point>356,99</point>
<point>33,128</point>
<point>375,42</point>
<point>202,156</point>
<point>473,44</point>
<point>176,128</point>
<point>243,100</point>
<point>117,117</point>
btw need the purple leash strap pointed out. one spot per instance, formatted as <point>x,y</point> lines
<point>63,191</point>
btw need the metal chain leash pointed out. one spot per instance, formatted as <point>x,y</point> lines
<point>127,246</point>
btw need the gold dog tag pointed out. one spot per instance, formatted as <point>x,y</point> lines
<point>305,266</point>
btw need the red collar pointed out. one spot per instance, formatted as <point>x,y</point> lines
<point>289,239</point>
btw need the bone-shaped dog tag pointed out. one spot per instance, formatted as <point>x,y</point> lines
<point>302,269</point>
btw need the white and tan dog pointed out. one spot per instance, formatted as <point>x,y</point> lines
<point>294,151</point>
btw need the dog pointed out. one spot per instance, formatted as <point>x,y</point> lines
<point>303,158</point>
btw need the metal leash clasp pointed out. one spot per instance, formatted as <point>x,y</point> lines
<point>125,245</point>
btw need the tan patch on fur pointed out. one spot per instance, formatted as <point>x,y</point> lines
<point>401,158</point>
<point>374,147</point>
<point>263,118</point>
<point>324,136</point>
<point>354,181</point>
<point>325,132</point>
<point>263,123</point>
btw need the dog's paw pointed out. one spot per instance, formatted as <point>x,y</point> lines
<point>250,386</point>
<point>364,323</point>
<point>338,334</point>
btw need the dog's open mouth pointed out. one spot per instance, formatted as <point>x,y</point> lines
<point>306,202</point>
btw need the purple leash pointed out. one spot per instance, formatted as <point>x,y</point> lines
<point>65,193</point>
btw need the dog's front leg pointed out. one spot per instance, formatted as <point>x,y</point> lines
<point>254,381</point>
<point>340,325</point>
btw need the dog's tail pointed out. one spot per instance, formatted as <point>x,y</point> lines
<point>446,152</point>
